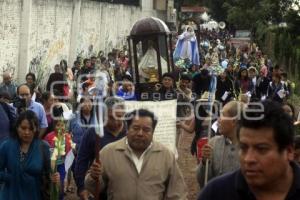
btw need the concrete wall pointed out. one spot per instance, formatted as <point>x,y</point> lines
<point>50,32</point>
<point>36,34</point>
<point>10,18</point>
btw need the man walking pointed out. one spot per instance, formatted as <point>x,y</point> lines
<point>137,167</point>
<point>268,171</point>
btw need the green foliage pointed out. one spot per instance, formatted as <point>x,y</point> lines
<point>247,14</point>
<point>243,14</point>
<point>261,31</point>
<point>263,17</point>
<point>292,18</point>
<point>219,13</point>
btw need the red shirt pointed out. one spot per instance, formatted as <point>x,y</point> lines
<point>50,139</point>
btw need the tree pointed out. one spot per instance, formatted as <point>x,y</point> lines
<point>292,19</point>
<point>247,14</point>
<point>218,12</point>
<point>244,14</point>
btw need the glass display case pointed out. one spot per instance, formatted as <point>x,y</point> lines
<point>150,50</point>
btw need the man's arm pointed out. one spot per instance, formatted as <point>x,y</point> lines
<point>201,173</point>
<point>42,119</point>
<point>84,158</point>
<point>95,176</point>
<point>176,187</point>
<point>207,153</point>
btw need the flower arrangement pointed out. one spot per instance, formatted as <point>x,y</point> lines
<point>183,63</point>
<point>58,153</point>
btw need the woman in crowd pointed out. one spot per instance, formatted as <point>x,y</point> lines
<point>126,91</point>
<point>36,92</point>
<point>167,88</point>
<point>67,77</point>
<point>277,91</point>
<point>244,82</point>
<point>83,120</point>
<point>25,162</point>
<point>48,101</point>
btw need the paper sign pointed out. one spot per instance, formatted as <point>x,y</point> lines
<point>69,160</point>
<point>165,111</point>
<point>225,95</point>
<point>281,93</point>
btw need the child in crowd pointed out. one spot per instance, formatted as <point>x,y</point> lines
<point>53,138</point>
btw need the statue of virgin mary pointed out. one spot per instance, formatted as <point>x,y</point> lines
<point>187,47</point>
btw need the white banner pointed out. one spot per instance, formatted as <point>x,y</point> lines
<point>165,111</point>
<point>69,160</point>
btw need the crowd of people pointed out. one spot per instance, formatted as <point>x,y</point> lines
<point>256,149</point>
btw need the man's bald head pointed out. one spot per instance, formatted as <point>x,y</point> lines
<point>227,122</point>
<point>22,88</point>
<point>23,92</point>
<point>234,108</point>
<point>6,77</point>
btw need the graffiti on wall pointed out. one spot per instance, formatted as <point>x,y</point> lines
<point>50,50</point>
<point>43,61</point>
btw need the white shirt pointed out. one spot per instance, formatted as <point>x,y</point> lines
<point>138,162</point>
<point>254,80</point>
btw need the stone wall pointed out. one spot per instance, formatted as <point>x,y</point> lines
<point>36,34</point>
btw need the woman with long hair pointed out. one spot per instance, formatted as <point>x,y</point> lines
<point>36,92</point>
<point>25,162</point>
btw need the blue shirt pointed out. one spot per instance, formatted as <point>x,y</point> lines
<point>126,95</point>
<point>86,153</point>
<point>233,186</point>
<point>22,179</point>
<point>78,126</point>
<point>39,110</point>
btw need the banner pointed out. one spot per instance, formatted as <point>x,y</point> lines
<point>165,111</point>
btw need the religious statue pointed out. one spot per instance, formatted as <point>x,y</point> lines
<point>148,69</point>
<point>187,47</point>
